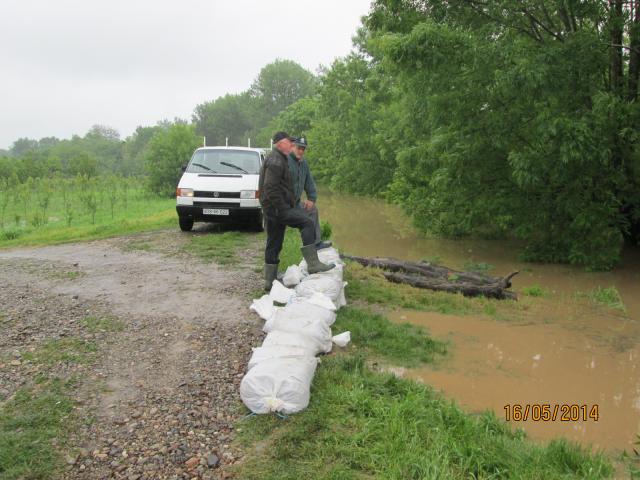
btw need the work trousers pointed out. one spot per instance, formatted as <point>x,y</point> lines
<point>315,217</point>
<point>277,221</point>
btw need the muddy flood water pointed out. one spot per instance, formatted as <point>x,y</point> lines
<point>559,349</point>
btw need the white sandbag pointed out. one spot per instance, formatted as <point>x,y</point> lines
<point>264,307</point>
<point>279,293</point>
<point>319,299</point>
<point>295,339</point>
<point>278,385</point>
<point>342,339</point>
<point>260,354</point>
<point>299,308</point>
<point>327,285</point>
<point>292,276</point>
<point>342,299</point>
<point>313,328</point>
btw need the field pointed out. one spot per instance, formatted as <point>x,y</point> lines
<point>58,210</point>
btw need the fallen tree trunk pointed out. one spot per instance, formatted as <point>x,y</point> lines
<point>439,278</point>
<point>467,289</point>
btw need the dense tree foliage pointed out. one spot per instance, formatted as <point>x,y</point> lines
<point>167,152</point>
<point>244,116</point>
<point>496,118</point>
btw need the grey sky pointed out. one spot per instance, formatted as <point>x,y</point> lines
<point>69,64</point>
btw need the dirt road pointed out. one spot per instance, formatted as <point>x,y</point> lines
<point>158,397</point>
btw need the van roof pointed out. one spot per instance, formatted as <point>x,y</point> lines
<point>222,147</point>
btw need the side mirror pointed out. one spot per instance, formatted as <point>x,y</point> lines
<point>183,168</point>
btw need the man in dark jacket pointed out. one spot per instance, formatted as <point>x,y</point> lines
<point>278,206</point>
<point>303,182</point>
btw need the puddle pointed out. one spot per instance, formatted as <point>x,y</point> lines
<point>493,364</point>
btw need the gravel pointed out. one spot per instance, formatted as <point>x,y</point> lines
<point>160,395</point>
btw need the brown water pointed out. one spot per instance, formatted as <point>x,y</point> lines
<point>561,350</point>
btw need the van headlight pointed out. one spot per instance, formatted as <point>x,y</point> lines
<point>248,194</point>
<point>184,192</point>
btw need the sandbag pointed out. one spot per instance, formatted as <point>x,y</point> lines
<point>261,354</point>
<point>278,385</point>
<point>292,276</point>
<point>342,339</point>
<point>302,309</point>
<point>279,293</point>
<point>319,299</point>
<point>296,339</point>
<point>327,285</point>
<point>313,328</point>
<point>264,307</point>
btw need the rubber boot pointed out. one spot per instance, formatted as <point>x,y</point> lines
<point>323,244</point>
<point>314,265</point>
<point>270,274</point>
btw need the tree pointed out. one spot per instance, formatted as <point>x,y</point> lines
<point>22,146</point>
<point>519,121</point>
<point>297,119</point>
<point>226,117</point>
<point>278,85</point>
<point>168,151</point>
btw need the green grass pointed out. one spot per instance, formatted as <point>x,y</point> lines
<point>362,424</point>
<point>607,297</point>
<point>534,291</point>
<point>143,212</point>
<point>66,350</point>
<point>30,423</point>
<point>402,344</point>
<point>477,267</point>
<point>102,324</point>
<point>368,285</point>
<point>221,248</point>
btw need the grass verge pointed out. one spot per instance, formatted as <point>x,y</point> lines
<point>158,215</point>
<point>34,423</point>
<point>402,344</point>
<point>362,424</point>
<point>221,248</point>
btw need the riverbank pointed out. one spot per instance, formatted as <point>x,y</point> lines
<point>363,420</point>
<point>122,334</point>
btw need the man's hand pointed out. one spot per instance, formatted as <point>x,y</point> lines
<point>308,205</point>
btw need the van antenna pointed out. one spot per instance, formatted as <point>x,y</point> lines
<point>249,144</point>
<point>204,141</point>
<point>272,144</point>
<point>226,141</point>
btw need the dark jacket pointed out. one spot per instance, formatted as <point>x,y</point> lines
<point>302,179</point>
<point>275,186</point>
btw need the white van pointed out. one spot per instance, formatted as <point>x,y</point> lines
<point>220,184</point>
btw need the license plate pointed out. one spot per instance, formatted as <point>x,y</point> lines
<point>215,211</point>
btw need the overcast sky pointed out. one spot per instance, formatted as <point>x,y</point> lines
<point>69,64</point>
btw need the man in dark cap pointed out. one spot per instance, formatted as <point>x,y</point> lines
<point>278,206</point>
<point>303,181</point>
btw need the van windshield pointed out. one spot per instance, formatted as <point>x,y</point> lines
<point>224,161</point>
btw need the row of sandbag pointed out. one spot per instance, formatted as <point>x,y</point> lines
<point>281,370</point>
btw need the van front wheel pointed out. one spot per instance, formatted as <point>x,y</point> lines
<point>186,223</point>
